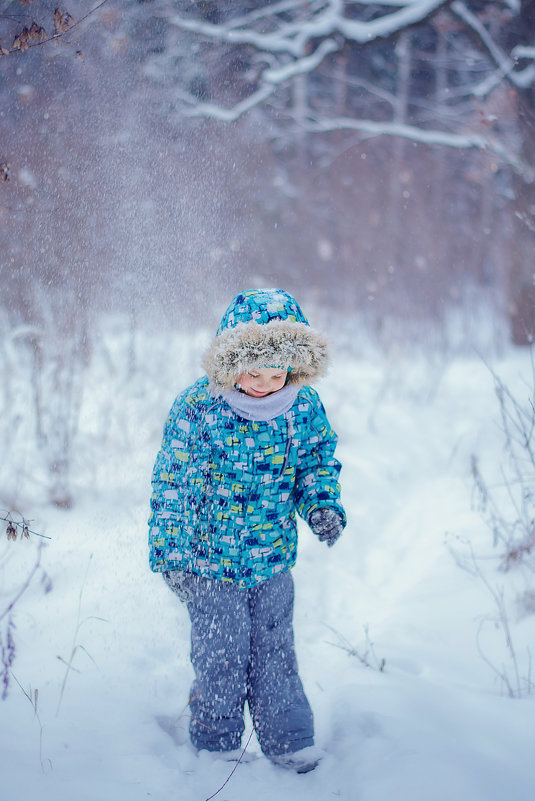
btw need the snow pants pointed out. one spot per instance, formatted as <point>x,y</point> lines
<point>242,649</point>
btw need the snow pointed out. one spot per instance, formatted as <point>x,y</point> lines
<point>434,725</point>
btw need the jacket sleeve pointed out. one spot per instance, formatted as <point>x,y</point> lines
<point>178,480</point>
<point>317,469</point>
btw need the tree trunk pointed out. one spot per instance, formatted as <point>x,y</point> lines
<point>522,274</point>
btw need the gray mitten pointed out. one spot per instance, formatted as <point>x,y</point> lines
<point>326,524</point>
<point>177,580</point>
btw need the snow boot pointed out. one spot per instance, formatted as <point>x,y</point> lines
<point>302,761</point>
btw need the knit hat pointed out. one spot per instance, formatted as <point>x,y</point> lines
<point>265,328</point>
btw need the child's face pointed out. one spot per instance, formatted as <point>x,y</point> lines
<point>262,381</point>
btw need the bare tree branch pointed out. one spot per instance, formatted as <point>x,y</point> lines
<point>234,113</point>
<point>272,78</point>
<point>429,137</point>
<point>285,33</point>
<point>35,36</point>
<point>294,37</point>
<point>506,66</point>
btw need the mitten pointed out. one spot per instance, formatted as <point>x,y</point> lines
<point>326,524</point>
<point>177,580</point>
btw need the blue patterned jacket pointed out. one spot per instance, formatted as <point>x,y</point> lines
<point>226,490</point>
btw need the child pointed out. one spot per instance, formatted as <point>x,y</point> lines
<point>245,448</point>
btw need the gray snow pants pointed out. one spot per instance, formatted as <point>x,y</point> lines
<point>242,649</point>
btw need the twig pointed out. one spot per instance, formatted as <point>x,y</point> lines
<point>521,684</point>
<point>345,645</point>
<point>516,529</point>
<point>33,701</point>
<point>7,650</point>
<point>234,769</point>
<point>58,35</point>
<point>76,646</point>
<point>25,586</point>
<point>24,525</point>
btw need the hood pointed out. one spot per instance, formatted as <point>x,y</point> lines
<point>265,328</point>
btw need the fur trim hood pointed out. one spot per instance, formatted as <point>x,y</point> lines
<point>265,328</point>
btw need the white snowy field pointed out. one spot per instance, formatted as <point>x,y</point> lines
<point>435,724</point>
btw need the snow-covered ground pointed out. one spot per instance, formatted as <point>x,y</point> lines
<point>435,724</point>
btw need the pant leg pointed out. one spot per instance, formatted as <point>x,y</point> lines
<point>279,708</point>
<point>220,636</point>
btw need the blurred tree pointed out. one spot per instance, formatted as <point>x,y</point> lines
<point>397,133</point>
<point>519,39</point>
<point>158,155</point>
<point>458,75</point>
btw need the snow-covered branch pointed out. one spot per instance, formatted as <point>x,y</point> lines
<point>266,11</point>
<point>231,114</point>
<point>429,137</point>
<point>302,65</point>
<point>272,78</point>
<point>523,52</point>
<point>506,65</point>
<point>362,32</point>
<point>272,43</point>
<point>293,37</point>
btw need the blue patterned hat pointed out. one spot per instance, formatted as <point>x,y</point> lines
<point>265,328</point>
<point>261,306</point>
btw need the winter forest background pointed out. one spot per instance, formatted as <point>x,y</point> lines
<point>157,157</point>
<point>375,159</point>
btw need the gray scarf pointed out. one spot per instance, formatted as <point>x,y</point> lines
<point>262,409</point>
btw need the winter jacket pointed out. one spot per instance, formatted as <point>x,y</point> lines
<point>226,489</point>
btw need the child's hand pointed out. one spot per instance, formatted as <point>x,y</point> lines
<point>177,580</point>
<point>326,524</point>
